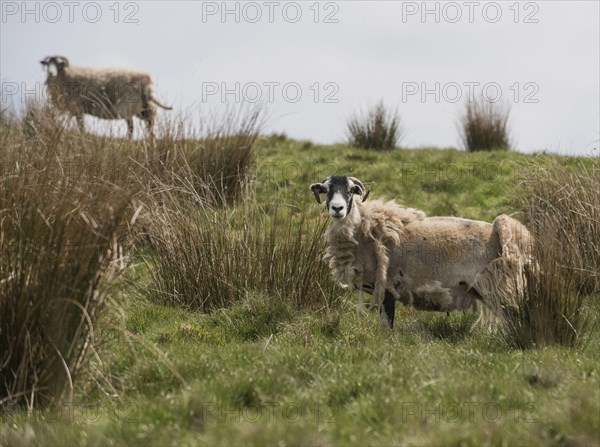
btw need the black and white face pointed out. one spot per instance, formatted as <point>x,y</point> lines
<point>54,64</point>
<point>340,192</point>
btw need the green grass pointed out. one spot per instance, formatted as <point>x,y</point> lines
<point>440,182</point>
<point>291,379</point>
<point>262,372</point>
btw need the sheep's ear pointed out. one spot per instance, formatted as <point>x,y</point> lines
<point>357,189</point>
<point>45,61</point>
<point>317,189</point>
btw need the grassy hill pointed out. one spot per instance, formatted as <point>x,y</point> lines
<point>440,182</point>
<point>285,362</point>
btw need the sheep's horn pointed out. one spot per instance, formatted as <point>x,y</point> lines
<point>315,190</point>
<point>365,193</point>
<point>317,196</point>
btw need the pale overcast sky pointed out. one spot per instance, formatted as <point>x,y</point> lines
<point>315,63</point>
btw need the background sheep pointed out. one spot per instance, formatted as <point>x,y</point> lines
<point>430,263</point>
<point>103,93</point>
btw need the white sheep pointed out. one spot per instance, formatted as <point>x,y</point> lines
<point>103,93</point>
<point>430,263</point>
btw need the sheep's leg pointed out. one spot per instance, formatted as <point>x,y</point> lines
<point>362,309</point>
<point>387,311</point>
<point>464,297</point>
<point>373,303</point>
<point>149,115</point>
<point>80,123</point>
<point>150,127</point>
<point>130,128</point>
<point>380,292</point>
<point>381,273</point>
<point>362,306</point>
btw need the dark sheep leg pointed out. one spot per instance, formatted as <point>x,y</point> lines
<point>389,307</point>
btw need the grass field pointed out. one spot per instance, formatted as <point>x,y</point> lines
<point>264,370</point>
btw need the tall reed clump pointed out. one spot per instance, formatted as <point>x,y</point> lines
<point>378,128</point>
<point>221,157</point>
<point>205,257</point>
<point>484,126</point>
<point>62,225</point>
<point>562,207</point>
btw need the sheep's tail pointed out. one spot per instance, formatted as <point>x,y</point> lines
<point>503,283</point>
<point>160,105</point>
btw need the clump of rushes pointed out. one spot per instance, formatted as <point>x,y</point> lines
<point>484,126</point>
<point>62,231</point>
<point>205,257</point>
<point>378,128</point>
<point>562,208</point>
<point>221,159</point>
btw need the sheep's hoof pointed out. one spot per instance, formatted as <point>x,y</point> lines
<point>386,323</point>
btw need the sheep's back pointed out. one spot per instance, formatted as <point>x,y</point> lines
<point>445,248</point>
<point>384,220</point>
<point>104,93</point>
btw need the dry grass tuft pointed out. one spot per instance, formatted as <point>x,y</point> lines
<point>220,161</point>
<point>563,212</point>
<point>484,126</point>
<point>64,229</point>
<point>378,128</point>
<point>67,202</point>
<point>205,257</point>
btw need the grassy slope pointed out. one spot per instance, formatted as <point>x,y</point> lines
<point>263,373</point>
<point>440,182</point>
